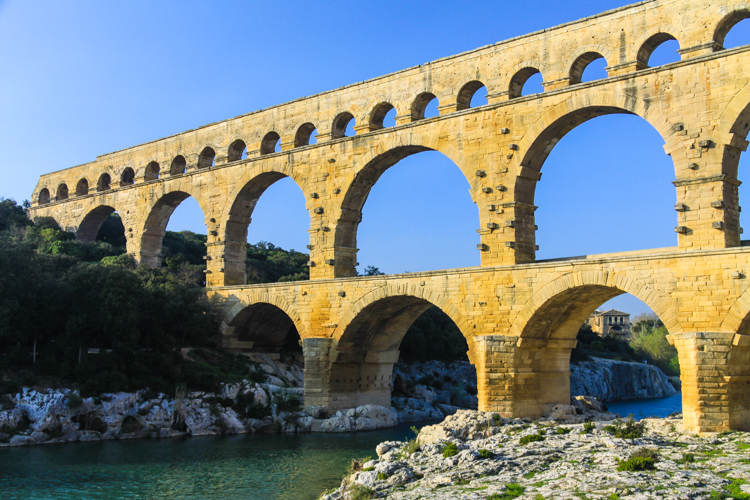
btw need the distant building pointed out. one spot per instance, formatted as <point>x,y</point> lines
<point>612,322</point>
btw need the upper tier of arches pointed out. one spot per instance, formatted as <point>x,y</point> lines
<point>451,81</point>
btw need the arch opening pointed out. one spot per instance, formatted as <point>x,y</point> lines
<point>207,158</point>
<point>62,192</point>
<point>415,242</point>
<point>343,125</point>
<point>659,49</point>
<point>728,34</point>
<point>271,143</point>
<point>88,229</point>
<point>127,178</point>
<point>305,135</point>
<point>424,106</point>
<point>43,197</point>
<point>82,188</point>
<point>104,182</point>
<point>587,67</point>
<point>615,171</point>
<point>369,347</point>
<point>582,322</point>
<point>470,95</point>
<point>265,328</point>
<point>379,114</point>
<point>178,166</point>
<point>264,251</point>
<point>152,171</point>
<point>526,81</point>
<point>237,151</point>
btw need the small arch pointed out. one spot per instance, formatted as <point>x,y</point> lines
<point>44,197</point>
<point>82,188</point>
<point>127,177</point>
<point>261,327</point>
<point>237,150</point>
<point>378,114</point>
<point>104,182</point>
<point>269,143</point>
<point>463,100</point>
<point>727,23</point>
<point>178,165</point>
<point>340,124</point>
<point>515,88</point>
<point>206,158</point>
<point>304,134</point>
<point>650,45</point>
<point>152,171</point>
<point>92,222</point>
<point>580,65</point>
<point>419,106</point>
<point>62,192</point>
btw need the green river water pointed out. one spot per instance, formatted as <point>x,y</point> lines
<point>265,466</point>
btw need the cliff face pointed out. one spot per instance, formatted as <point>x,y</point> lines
<point>611,380</point>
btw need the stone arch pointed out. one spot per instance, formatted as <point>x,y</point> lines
<point>419,105</point>
<point>582,58</point>
<point>154,218</point>
<point>152,171</point>
<point>304,134</point>
<point>340,123</point>
<point>207,157</point>
<point>552,308</point>
<point>43,197</point>
<point>521,74</point>
<point>365,172</point>
<point>236,149</point>
<point>466,93</point>
<point>82,188</point>
<point>732,127</point>
<point>62,192</point>
<point>178,166</point>
<point>268,144</point>
<point>739,12</point>
<point>92,222</point>
<point>650,40</point>
<point>127,178</point>
<point>246,191</point>
<point>273,310</point>
<point>378,114</point>
<point>737,319</point>
<point>367,340</point>
<point>104,182</point>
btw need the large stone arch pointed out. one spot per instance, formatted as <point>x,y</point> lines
<point>154,216</point>
<point>365,343</point>
<point>539,140</point>
<point>231,322</point>
<point>364,174</point>
<point>241,200</point>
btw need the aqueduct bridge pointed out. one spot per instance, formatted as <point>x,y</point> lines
<point>519,316</point>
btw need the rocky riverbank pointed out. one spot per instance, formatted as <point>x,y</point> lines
<point>611,380</point>
<point>480,456</point>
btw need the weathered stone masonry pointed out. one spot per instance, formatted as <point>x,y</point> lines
<point>519,316</point>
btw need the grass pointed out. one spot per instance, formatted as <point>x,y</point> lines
<point>627,430</point>
<point>687,458</point>
<point>382,476</point>
<point>512,490</point>
<point>359,492</point>
<point>588,428</point>
<point>530,439</point>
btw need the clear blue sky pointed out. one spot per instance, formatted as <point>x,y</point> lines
<point>83,78</point>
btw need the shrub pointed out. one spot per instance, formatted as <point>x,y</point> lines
<point>359,492</point>
<point>563,430</point>
<point>640,460</point>
<point>484,454</point>
<point>687,458</point>
<point>512,490</point>
<point>130,424</point>
<point>628,430</point>
<point>588,428</point>
<point>287,402</point>
<point>531,438</point>
<point>382,476</point>
<point>75,401</point>
<point>450,450</point>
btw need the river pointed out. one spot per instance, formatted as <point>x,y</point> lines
<point>266,466</point>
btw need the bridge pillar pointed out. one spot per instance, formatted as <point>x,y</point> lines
<point>715,393</point>
<point>317,356</point>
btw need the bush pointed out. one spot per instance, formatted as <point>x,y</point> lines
<point>531,438</point>
<point>75,401</point>
<point>512,490</point>
<point>687,458</point>
<point>450,450</point>
<point>588,428</point>
<point>640,460</point>
<point>484,454</point>
<point>382,476</point>
<point>359,492</point>
<point>628,430</point>
<point>287,402</point>
<point>563,430</point>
